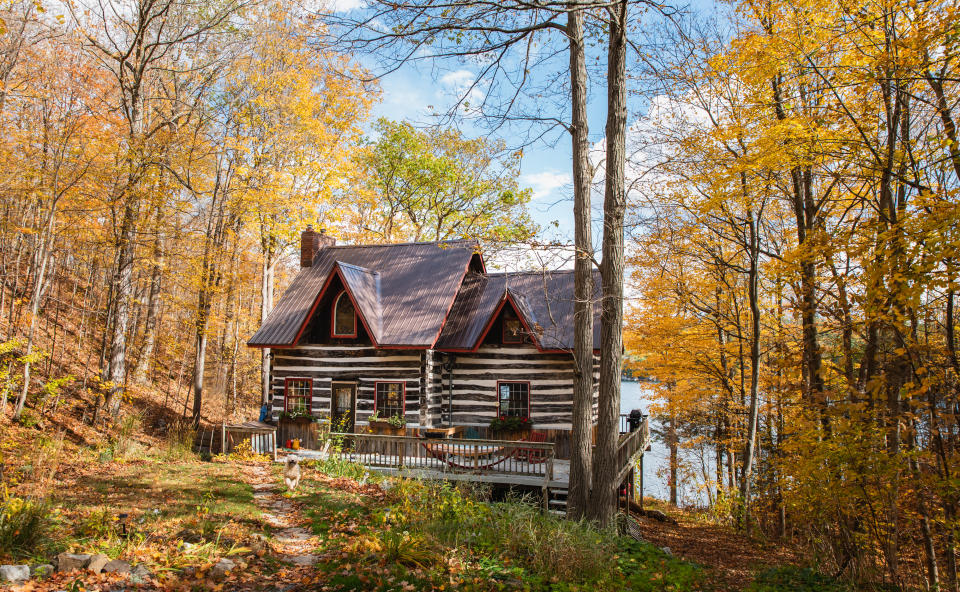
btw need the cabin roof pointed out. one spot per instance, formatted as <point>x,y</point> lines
<point>425,295</point>
<point>410,286</point>
<point>543,299</point>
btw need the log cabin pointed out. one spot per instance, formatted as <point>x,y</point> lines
<point>424,332</point>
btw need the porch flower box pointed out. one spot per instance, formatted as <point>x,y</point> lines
<point>393,426</point>
<point>510,428</point>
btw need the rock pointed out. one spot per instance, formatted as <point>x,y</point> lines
<point>666,550</point>
<point>97,562</point>
<point>41,571</point>
<point>117,566</point>
<point>222,567</point>
<point>14,573</point>
<point>71,561</point>
<point>140,574</point>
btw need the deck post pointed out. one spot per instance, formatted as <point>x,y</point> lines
<point>223,438</point>
<point>641,481</point>
<point>274,432</point>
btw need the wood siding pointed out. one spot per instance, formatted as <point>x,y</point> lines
<point>364,365</point>
<point>475,377</point>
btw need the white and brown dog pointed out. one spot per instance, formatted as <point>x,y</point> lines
<point>291,472</point>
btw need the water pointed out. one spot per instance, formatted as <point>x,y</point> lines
<point>656,462</point>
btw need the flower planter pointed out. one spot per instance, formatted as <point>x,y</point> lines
<point>521,434</point>
<point>385,428</point>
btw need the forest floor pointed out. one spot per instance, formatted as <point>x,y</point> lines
<point>730,557</point>
<point>230,524</point>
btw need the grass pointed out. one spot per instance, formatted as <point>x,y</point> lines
<point>167,514</point>
<point>438,535</point>
<point>169,510</point>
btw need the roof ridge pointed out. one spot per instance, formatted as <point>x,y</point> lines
<point>541,272</point>
<point>386,245</point>
<point>351,265</point>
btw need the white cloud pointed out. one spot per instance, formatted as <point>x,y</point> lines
<point>458,79</point>
<point>545,183</point>
<point>343,5</point>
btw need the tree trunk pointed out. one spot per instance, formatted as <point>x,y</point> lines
<point>266,305</point>
<point>35,307</point>
<point>673,443</point>
<point>141,374</point>
<point>581,436</point>
<point>754,297</point>
<point>198,370</point>
<point>611,339</point>
<point>116,372</point>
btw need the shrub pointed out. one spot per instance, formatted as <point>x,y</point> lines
<point>179,441</point>
<point>24,524</point>
<point>244,452</point>
<point>336,466</point>
<point>28,418</point>
<point>795,579</point>
<point>97,524</point>
<point>648,569</point>
<point>543,545</point>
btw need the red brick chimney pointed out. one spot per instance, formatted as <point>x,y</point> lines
<point>311,242</point>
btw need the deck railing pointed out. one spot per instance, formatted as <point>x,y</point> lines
<point>450,455</point>
<point>630,446</point>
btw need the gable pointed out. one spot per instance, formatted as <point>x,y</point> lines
<point>404,291</point>
<point>543,300</point>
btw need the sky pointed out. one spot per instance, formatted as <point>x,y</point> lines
<point>421,88</point>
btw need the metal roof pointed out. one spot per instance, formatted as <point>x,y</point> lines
<point>543,299</point>
<point>427,295</point>
<point>364,286</point>
<point>417,285</point>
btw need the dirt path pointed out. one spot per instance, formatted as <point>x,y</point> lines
<point>291,542</point>
<point>734,557</point>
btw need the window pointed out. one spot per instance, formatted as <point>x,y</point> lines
<point>512,329</point>
<point>390,399</point>
<point>344,317</point>
<point>514,398</point>
<point>297,396</point>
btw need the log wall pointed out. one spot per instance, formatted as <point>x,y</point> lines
<point>427,380</point>
<point>364,365</point>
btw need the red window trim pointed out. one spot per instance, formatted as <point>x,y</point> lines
<point>403,395</point>
<point>286,390</point>
<point>526,382</point>
<point>333,316</point>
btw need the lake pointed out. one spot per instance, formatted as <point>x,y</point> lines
<point>656,462</point>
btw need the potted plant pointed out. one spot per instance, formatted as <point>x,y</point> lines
<point>297,416</point>
<point>388,426</point>
<point>510,427</point>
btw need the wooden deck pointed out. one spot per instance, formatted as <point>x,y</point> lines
<point>506,462</point>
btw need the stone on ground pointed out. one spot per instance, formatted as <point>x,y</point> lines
<point>117,566</point>
<point>14,573</point>
<point>139,574</point>
<point>222,567</point>
<point>41,571</point>
<point>71,561</point>
<point>97,562</point>
<point>301,560</point>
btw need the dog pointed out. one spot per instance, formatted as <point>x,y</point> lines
<point>291,472</point>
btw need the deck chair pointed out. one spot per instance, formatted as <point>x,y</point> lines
<point>533,455</point>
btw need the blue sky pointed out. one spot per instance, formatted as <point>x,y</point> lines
<point>418,89</point>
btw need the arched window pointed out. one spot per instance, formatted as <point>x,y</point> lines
<point>344,317</point>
